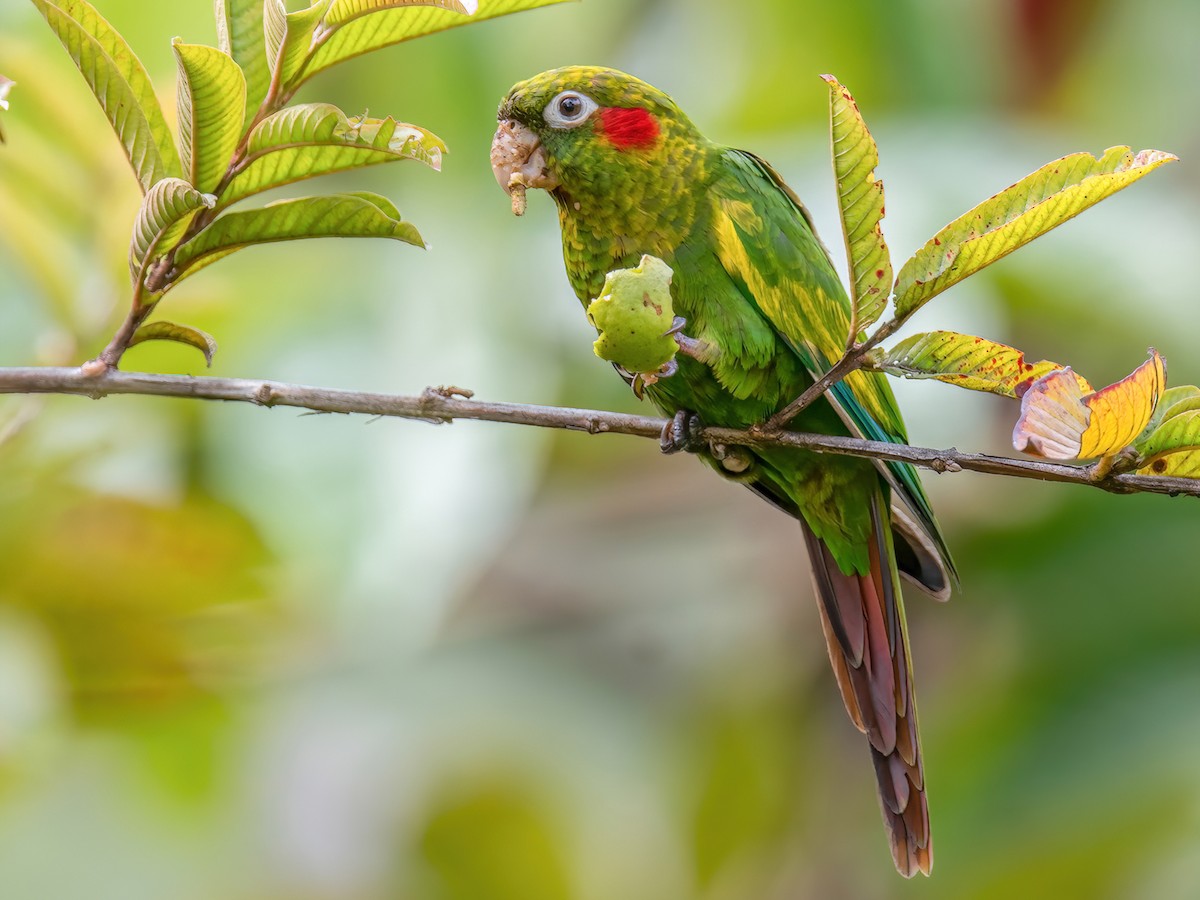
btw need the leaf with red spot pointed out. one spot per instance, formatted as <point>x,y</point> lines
<point>1184,464</point>
<point>860,203</point>
<point>1171,444</point>
<point>1056,192</point>
<point>965,361</point>
<point>1059,421</point>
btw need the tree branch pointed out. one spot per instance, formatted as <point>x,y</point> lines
<point>444,405</point>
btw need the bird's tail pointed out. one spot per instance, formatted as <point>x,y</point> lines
<point>863,619</point>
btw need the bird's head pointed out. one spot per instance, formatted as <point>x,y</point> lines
<point>582,129</point>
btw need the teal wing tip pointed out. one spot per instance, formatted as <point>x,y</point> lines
<point>903,479</point>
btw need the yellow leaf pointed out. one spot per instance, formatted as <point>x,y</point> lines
<point>966,361</point>
<point>1185,464</point>
<point>1121,411</point>
<point>1173,447</point>
<point>1058,421</point>
<point>1056,192</point>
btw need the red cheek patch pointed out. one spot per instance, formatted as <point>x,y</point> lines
<point>628,129</point>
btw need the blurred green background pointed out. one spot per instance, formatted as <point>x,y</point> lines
<point>254,655</point>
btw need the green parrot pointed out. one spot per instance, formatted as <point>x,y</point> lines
<point>763,314</point>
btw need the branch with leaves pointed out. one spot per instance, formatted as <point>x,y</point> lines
<point>238,137</point>
<point>1135,422</point>
<point>443,405</point>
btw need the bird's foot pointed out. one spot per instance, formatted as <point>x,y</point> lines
<point>702,351</point>
<point>683,434</point>
<point>737,463</point>
<point>699,350</point>
<point>639,381</point>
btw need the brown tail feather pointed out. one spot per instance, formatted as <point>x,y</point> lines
<point>863,620</point>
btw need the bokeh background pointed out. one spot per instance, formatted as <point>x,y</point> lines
<point>249,653</point>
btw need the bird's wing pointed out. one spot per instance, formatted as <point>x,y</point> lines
<point>766,243</point>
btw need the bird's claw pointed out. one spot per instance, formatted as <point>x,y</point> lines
<point>676,326</point>
<point>639,381</point>
<point>700,350</point>
<point>683,434</point>
<point>669,368</point>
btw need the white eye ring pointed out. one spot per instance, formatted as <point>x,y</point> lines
<point>569,109</point>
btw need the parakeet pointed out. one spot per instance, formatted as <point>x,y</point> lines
<point>764,315</point>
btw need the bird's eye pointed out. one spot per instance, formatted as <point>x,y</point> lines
<point>569,109</point>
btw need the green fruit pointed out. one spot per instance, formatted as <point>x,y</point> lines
<point>633,314</point>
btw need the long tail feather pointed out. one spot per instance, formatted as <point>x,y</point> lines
<point>863,620</point>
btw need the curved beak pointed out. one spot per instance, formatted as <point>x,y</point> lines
<point>519,162</point>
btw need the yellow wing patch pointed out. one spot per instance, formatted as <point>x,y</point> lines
<point>811,321</point>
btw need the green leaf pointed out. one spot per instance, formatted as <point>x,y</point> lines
<point>317,139</point>
<point>289,37</point>
<point>391,25</point>
<point>1171,442</point>
<point>119,81</point>
<point>860,202</point>
<point>1178,432</point>
<point>966,361</point>
<point>212,104</point>
<point>166,211</point>
<point>5,86</point>
<point>1028,209</point>
<point>338,215</point>
<point>240,34</point>
<point>182,334</point>
<point>342,11</point>
<point>1172,402</point>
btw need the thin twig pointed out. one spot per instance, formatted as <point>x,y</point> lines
<point>851,361</point>
<point>443,405</point>
<point>843,367</point>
